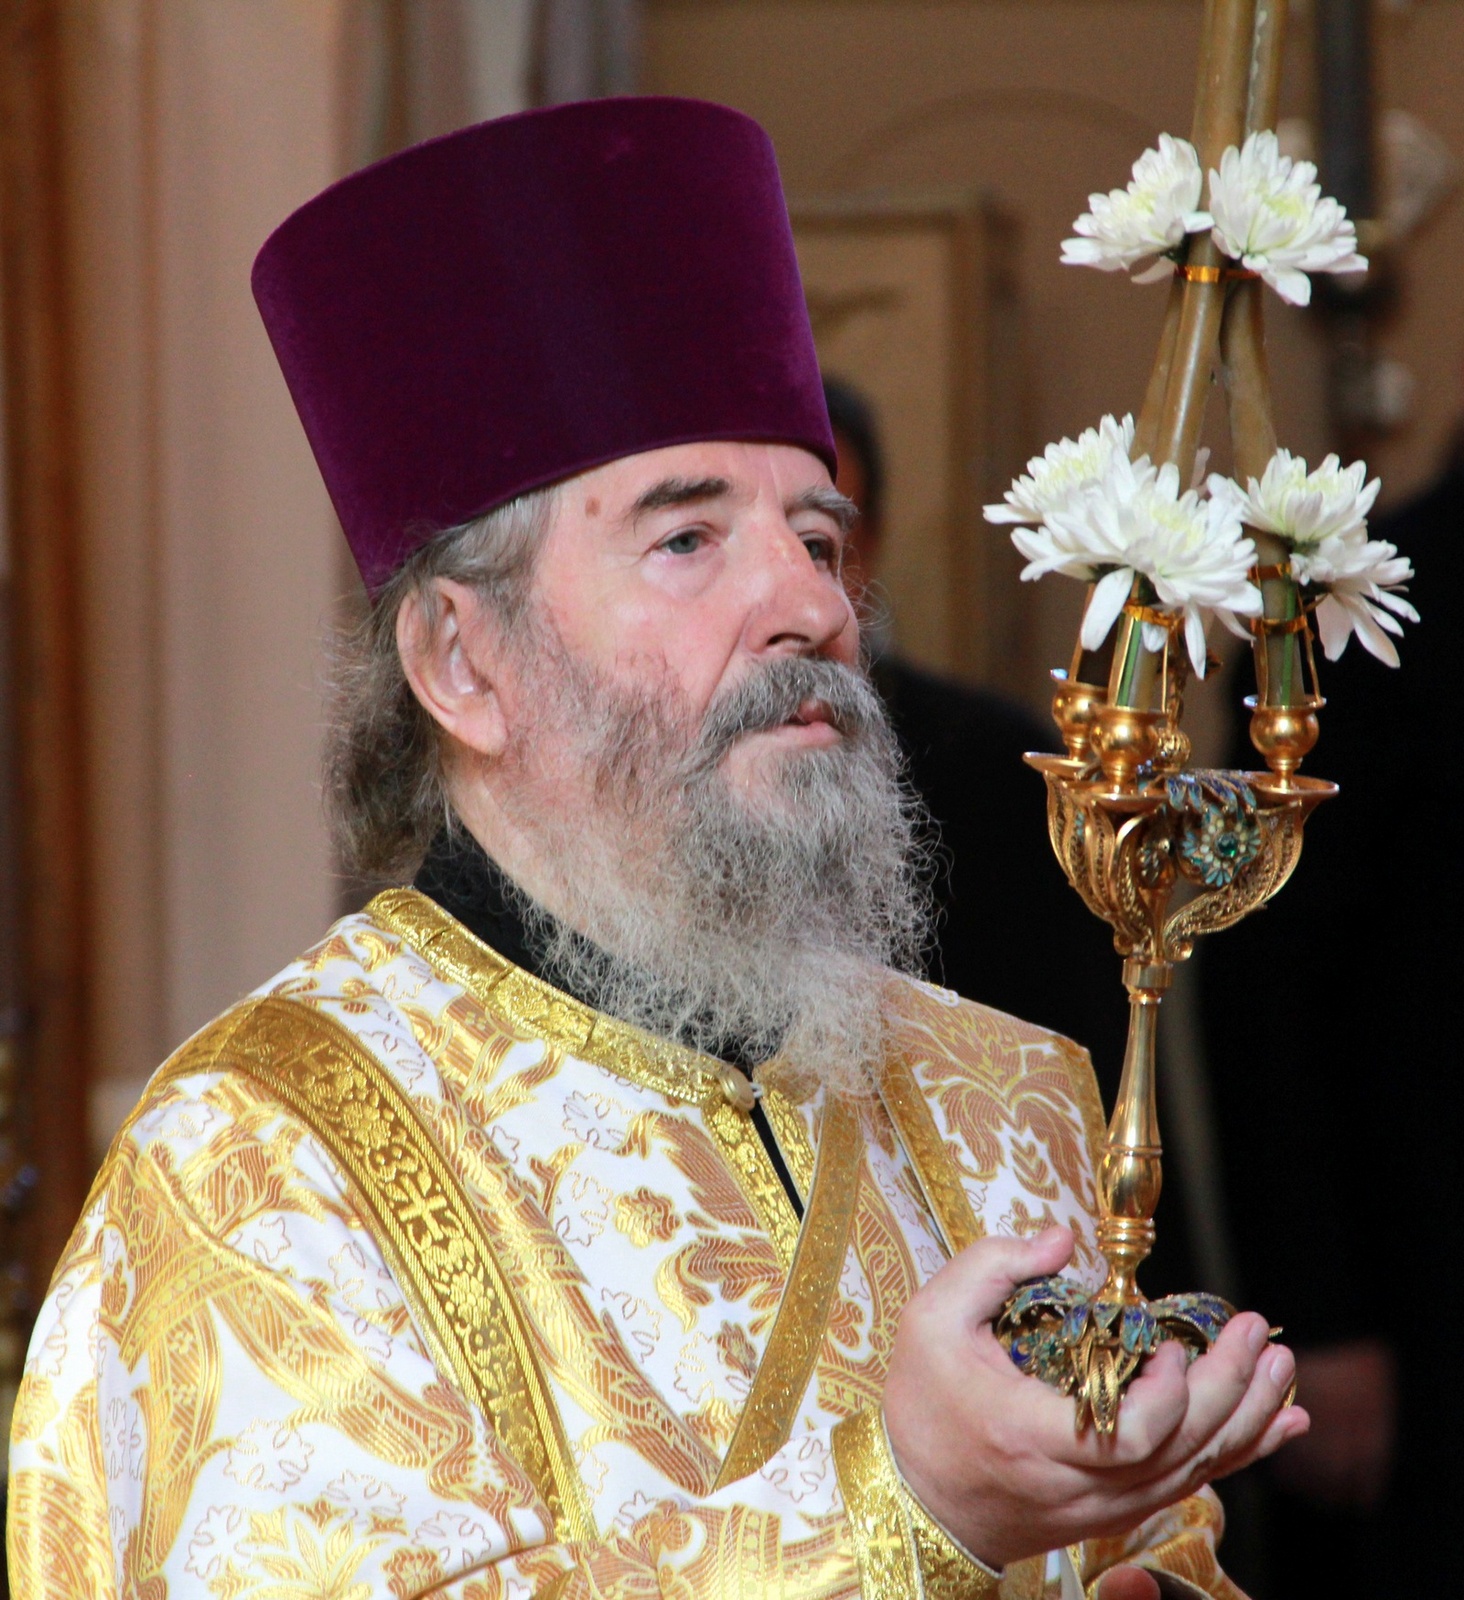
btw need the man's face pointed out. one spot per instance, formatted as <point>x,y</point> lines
<point>681,571</point>
<point>673,754</point>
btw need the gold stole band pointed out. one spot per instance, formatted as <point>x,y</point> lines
<point>444,1263</point>
<point>791,1353</point>
<point>929,1155</point>
<point>935,1170</point>
<point>426,1226</point>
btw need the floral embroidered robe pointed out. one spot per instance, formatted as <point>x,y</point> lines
<point>232,1393</point>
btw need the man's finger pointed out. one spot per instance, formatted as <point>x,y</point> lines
<point>981,1279</point>
<point>1128,1583</point>
<point>1239,1437</point>
<point>1285,1426</point>
<point>1219,1383</point>
<point>1278,1427</point>
<point>1153,1408</point>
<point>1184,1480</point>
<point>1216,1408</point>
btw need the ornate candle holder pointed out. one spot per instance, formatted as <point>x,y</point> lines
<point>1164,854</point>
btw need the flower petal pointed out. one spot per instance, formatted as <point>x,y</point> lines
<point>1110,595</point>
<point>1334,625</point>
<point>1194,638</point>
<point>1371,636</point>
<point>1398,604</point>
<point>1294,287</point>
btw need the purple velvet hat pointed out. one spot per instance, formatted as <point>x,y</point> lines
<point>531,297</point>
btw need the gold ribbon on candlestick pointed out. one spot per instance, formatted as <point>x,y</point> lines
<point>1194,272</point>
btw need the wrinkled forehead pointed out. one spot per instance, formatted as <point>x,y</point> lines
<point>616,510</point>
<point>737,471</point>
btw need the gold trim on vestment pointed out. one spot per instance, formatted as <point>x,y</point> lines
<point>786,1121</point>
<point>947,1570</point>
<point>1084,1083</point>
<point>745,1154</point>
<point>791,1352</point>
<point>425,1224</point>
<point>537,1010</point>
<point>929,1155</point>
<point>812,1254</point>
<point>1025,1579</point>
<point>903,1553</point>
<point>875,1504</point>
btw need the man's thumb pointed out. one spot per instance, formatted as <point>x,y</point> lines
<point>985,1273</point>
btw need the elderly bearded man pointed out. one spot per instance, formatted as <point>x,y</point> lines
<point>607,1214</point>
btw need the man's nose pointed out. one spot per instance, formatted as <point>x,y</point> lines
<point>799,607</point>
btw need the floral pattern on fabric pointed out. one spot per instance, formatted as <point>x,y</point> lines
<point>227,1394</point>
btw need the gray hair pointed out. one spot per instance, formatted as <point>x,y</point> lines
<point>385,791</point>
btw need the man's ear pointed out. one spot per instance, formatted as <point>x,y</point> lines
<point>451,651</point>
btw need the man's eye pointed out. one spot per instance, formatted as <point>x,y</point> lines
<point>685,543</point>
<point>822,548</point>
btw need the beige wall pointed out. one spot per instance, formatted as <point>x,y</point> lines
<point>213,562</point>
<point>1422,62</point>
<point>1040,102</point>
<point>194,126</point>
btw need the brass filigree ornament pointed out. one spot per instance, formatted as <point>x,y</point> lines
<point>1164,854</point>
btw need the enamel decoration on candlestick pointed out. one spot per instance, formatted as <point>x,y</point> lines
<point>1161,851</point>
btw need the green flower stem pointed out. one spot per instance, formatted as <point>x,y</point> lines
<point>1135,667</point>
<point>1279,654</point>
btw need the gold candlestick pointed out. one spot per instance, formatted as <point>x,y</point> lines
<point>1131,833</point>
<point>1162,852</point>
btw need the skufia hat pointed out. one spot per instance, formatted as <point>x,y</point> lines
<point>523,300</point>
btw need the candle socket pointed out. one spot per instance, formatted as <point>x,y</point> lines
<point>1124,741</point>
<point>1285,735</point>
<point>1075,705</point>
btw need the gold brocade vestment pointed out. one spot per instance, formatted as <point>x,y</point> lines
<point>414,1276</point>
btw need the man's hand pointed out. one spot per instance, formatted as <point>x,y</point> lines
<point>993,1454</point>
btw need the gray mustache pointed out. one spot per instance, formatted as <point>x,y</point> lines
<point>773,694</point>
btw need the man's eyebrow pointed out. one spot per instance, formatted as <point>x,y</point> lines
<point>824,497</point>
<point>679,492</point>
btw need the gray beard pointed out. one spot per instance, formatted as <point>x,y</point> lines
<point>737,925</point>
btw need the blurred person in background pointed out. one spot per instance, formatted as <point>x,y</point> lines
<point>1009,926</point>
<point>1336,1091</point>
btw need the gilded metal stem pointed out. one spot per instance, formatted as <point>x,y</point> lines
<point>1221,100</point>
<point>1235,64</point>
<point>1131,1176</point>
<point>1127,826</point>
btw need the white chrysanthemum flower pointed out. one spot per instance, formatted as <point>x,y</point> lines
<point>1306,508</point>
<point>1357,575</point>
<point>1271,216</point>
<point>1322,516</point>
<point>1136,523</point>
<point>1063,470</point>
<point>1149,218</point>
